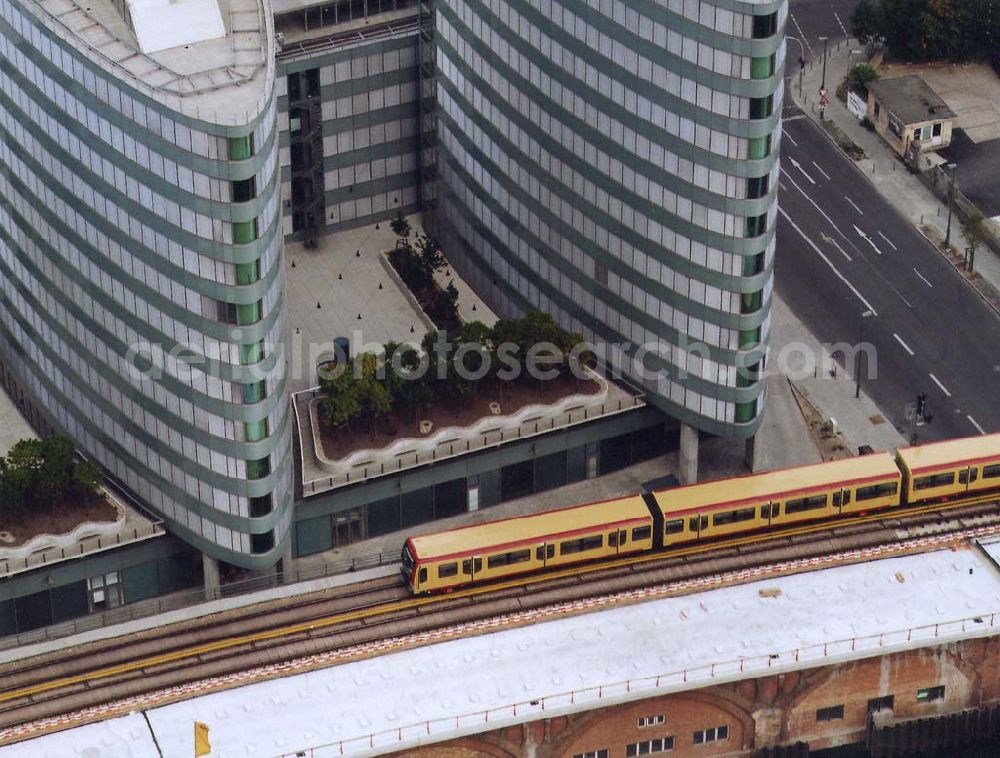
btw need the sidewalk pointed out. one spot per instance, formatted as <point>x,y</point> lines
<point>883,169</point>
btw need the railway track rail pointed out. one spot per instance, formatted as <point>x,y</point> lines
<point>77,678</point>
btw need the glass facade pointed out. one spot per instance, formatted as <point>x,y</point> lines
<point>129,224</point>
<point>615,164</point>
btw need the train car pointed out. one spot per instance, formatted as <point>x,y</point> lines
<point>787,496</point>
<point>941,471</point>
<point>498,549</point>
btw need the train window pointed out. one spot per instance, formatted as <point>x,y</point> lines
<point>422,576</point>
<point>837,499</point>
<point>769,511</point>
<point>934,480</point>
<point>467,566</point>
<point>613,539</point>
<point>447,569</point>
<point>578,546</point>
<point>674,527</point>
<point>877,490</point>
<point>991,472</point>
<point>693,523</point>
<point>643,533</point>
<point>802,504</point>
<point>504,559</point>
<point>730,517</point>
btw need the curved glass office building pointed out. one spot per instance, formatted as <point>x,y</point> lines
<point>615,163</point>
<point>141,301</point>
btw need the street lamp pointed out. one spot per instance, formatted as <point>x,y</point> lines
<point>951,197</point>
<point>822,87</point>
<point>857,353</point>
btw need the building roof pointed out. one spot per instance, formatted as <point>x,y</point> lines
<point>950,452</point>
<point>910,99</point>
<point>177,55</point>
<point>163,24</point>
<point>777,484</point>
<point>528,666</point>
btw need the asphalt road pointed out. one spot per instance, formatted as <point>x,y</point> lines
<point>843,250</point>
<point>808,20</point>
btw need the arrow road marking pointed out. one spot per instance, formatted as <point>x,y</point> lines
<point>820,210</point>
<point>821,170</point>
<point>938,383</point>
<point>867,239</point>
<point>799,167</point>
<point>978,427</point>
<point>853,205</point>
<point>922,277</point>
<point>831,241</point>
<point>900,341</point>
<point>828,262</point>
<point>888,240</point>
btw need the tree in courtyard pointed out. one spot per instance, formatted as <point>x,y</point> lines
<point>431,257</point>
<point>374,399</point>
<point>341,403</point>
<point>401,228</point>
<point>868,23</point>
<point>859,77</point>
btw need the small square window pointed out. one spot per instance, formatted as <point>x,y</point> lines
<point>928,694</point>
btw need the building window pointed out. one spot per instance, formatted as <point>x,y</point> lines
<point>928,694</point>
<point>878,110</point>
<point>832,713</point>
<point>756,225</point>
<point>600,273</point>
<point>712,734</point>
<point>877,704</point>
<point>761,107</point>
<point>244,190</point>
<point>765,25</point>
<point>757,187</point>
<point>259,468</point>
<point>260,506</point>
<point>645,721</point>
<point>104,591</point>
<point>650,747</point>
<point>262,543</point>
<point>602,753</point>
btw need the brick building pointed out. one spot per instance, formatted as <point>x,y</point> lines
<point>822,707</point>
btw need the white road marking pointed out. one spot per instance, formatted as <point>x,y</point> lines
<point>828,262</point>
<point>867,239</point>
<point>841,25</point>
<point>938,383</point>
<point>796,117</point>
<point>978,427</point>
<point>853,205</point>
<point>900,341</point>
<point>783,186</point>
<point>799,167</point>
<point>831,241</point>
<point>801,35</point>
<point>922,277</point>
<point>820,210</point>
<point>888,240</point>
<point>821,170</point>
<point>789,136</point>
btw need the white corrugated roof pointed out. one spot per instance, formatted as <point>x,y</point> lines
<point>163,24</point>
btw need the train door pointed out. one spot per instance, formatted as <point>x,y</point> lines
<point>967,476</point>
<point>697,525</point>
<point>545,553</point>
<point>841,499</point>
<point>472,567</point>
<point>618,540</point>
<point>768,511</point>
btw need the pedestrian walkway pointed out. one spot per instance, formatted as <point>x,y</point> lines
<point>910,196</point>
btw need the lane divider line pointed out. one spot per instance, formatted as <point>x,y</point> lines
<point>938,383</point>
<point>900,341</point>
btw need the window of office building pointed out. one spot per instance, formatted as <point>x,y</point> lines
<point>712,734</point>
<point>105,591</point>
<point>830,713</point>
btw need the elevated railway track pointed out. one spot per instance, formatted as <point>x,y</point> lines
<point>77,678</point>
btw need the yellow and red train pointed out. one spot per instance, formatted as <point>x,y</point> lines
<point>929,474</point>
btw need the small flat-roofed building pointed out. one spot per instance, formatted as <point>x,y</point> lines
<point>908,113</point>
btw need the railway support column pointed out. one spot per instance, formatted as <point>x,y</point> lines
<point>687,464</point>
<point>752,456</point>
<point>211,571</point>
<point>286,566</point>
